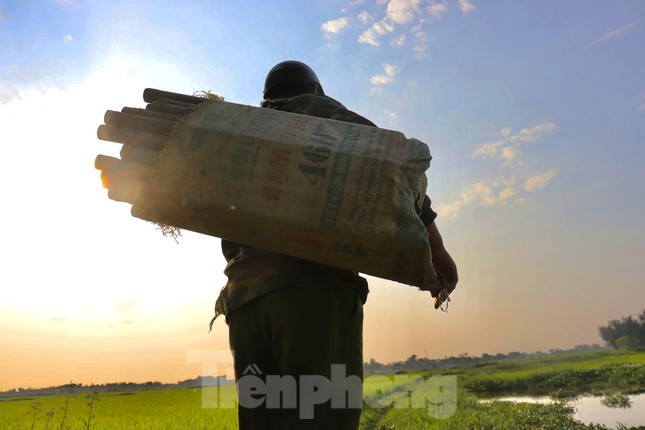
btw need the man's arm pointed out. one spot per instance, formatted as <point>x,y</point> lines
<point>441,259</point>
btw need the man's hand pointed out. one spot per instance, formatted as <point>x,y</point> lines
<point>443,262</point>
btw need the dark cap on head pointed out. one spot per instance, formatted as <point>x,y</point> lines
<point>290,78</point>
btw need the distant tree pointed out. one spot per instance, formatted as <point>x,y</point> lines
<point>625,333</point>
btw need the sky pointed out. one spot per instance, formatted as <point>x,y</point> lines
<point>534,113</point>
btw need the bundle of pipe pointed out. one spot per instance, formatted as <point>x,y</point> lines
<point>143,133</point>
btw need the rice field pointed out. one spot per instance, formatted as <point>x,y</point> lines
<point>172,409</point>
<point>439,399</point>
<point>181,409</point>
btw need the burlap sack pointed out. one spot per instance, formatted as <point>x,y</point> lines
<point>333,192</point>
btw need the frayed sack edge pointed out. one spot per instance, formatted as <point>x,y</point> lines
<point>152,214</point>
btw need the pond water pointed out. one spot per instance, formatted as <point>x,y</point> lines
<point>590,410</point>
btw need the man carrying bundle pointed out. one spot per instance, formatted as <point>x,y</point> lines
<point>295,324</point>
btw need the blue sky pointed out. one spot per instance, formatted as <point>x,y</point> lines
<point>534,113</point>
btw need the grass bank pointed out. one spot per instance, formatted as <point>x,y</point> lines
<point>561,375</point>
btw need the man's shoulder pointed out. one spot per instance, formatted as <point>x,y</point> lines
<point>321,106</point>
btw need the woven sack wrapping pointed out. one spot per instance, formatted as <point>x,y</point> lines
<point>333,192</point>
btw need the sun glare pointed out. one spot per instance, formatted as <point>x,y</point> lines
<point>62,219</point>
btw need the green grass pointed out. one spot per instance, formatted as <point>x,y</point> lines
<point>181,409</point>
<point>472,414</point>
<point>567,374</point>
<point>387,398</point>
<point>172,409</point>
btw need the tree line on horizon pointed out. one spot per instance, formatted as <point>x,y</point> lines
<point>625,333</point>
<point>198,382</point>
<point>415,363</point>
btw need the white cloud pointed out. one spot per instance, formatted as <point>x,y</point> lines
<point>500,192</point>
<point>388,77</point>
<point>509,153</point>
<point>421,42</point>
<point>506,194</point>
<point>611,35</point>
<point>420,51</point>
<point>508,147</point>
<point>450,210</point>
<point>390,119</point>
<point>364,17</point>
<point>380,28</point>
<point>466,6</point>
<point>335,26</point>
<point>400,40</point>
<point>538,182</point>
<point>369,37</point>
<point>351,5</point>
<point>402,11</point>
<point>533,133</point>
<point>489,149</point>
<point>641,108</point>
<point>383,27</point>
<point>437,9</point>
<point>398,12</point>
<point>67,38</point>
<point>503,191</point>
<point>480,192</point>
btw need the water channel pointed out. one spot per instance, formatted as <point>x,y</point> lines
<point>588,409</point>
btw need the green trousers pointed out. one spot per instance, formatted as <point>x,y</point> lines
<point>298,355</point>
